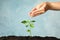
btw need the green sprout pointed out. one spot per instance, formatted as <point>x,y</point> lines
<point>30,24</point>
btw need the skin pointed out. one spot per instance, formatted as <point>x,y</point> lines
<point>43,7</point>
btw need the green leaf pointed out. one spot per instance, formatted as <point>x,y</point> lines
<point>32,25</point>
<point>26,25</point>
<point>28,21</point>
<point>28,30</point>
<point>24,21</point>
<point>33,21</point>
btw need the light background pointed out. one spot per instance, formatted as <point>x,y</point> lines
<point>12,12</point>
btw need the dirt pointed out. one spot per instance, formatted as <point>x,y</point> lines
<point>27,38</point>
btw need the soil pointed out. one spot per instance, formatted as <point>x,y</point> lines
<point>27,38</point>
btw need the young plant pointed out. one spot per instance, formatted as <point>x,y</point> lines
<point>30,24</point>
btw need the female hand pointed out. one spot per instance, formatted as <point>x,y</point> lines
<point>39,9</point>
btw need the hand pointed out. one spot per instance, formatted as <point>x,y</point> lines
<point>39,9</point>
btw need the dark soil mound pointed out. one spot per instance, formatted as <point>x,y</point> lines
<point>27,38</point>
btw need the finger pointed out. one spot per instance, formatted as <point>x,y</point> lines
<point>37,13</point>
<point>39,9</point>
<point>34,9</point>
<point>33,12</point>
<point>30,14</point>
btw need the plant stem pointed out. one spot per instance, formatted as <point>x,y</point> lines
<point>30,32</point>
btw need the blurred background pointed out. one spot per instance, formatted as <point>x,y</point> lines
<point>12,12</point>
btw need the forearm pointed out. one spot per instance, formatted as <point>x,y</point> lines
<point>53,5</point>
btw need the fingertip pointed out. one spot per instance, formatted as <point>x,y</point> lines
<point>30,14</point>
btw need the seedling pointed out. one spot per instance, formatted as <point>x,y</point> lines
<point>29,24</point>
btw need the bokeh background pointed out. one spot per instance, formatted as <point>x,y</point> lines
<point>12,12</point>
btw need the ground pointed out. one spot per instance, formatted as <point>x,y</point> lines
<point>27,38</point>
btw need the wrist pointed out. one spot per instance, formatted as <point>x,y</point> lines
<point>48,5</point>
